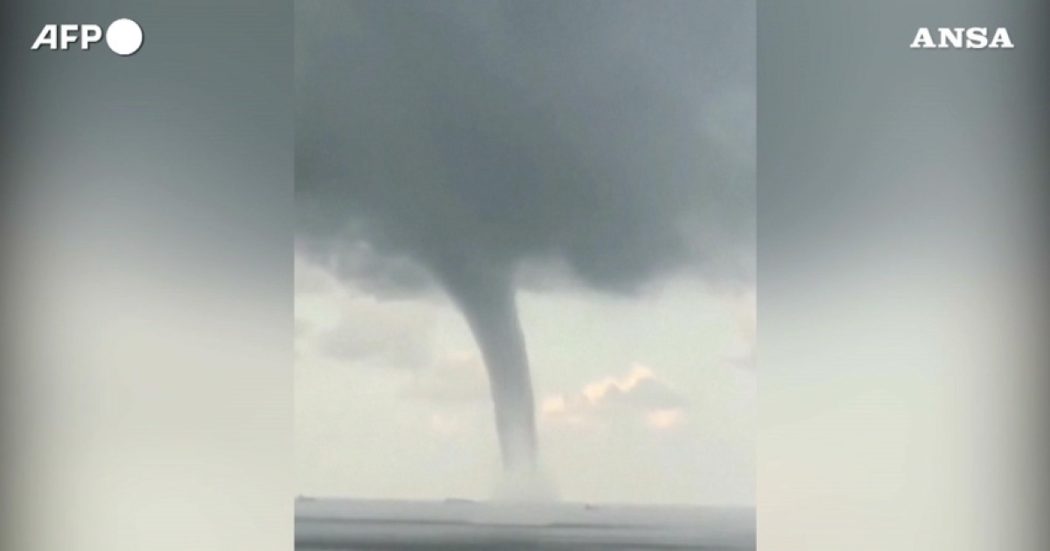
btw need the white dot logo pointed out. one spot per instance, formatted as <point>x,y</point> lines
<point>124,37</point>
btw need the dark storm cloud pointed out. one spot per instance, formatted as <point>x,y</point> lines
<point>616,137</point>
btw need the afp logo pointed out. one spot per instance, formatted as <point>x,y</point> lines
<point>123,36</point>
<point>962,37</point>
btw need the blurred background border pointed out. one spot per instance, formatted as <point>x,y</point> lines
<point>147,276</point>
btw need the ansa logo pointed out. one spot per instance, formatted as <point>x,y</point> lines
<point>962,37</point>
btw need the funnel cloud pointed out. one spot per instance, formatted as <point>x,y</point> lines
<point>456,141</point>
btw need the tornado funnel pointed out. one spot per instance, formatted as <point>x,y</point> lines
<point>486,298</point>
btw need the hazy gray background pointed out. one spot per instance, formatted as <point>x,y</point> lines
<point>147,293</point>
<point>902,278</point>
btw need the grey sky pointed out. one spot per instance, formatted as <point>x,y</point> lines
<point>599,156</point>
<point>614,136</point>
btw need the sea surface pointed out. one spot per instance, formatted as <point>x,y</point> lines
<point>360,525</point>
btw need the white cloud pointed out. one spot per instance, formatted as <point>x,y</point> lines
<point>639,394</point>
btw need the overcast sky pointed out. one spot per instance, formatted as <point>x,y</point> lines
<point>596,158</point>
